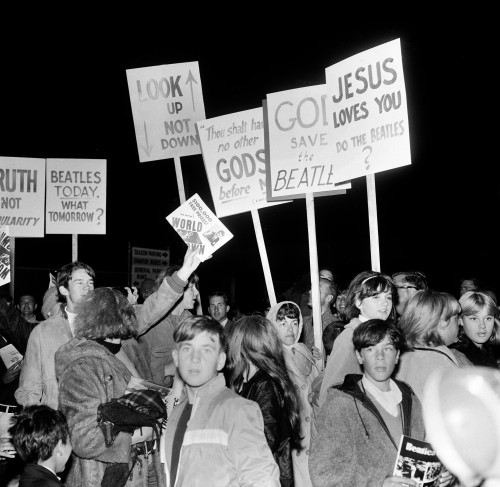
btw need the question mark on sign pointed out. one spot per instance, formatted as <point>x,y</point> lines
<point>99,215</point>
<point>368,155</point>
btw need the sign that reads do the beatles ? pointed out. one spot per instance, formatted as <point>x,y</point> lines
<point>369,128</point>
<point>166,101</point>
<point>22,196</point>
<point>76,196</point>
<point>300,150</point>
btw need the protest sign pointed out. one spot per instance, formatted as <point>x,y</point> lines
<point>76,196</point>
<point>300,153</point>
<point>199,227</point>
<point>22,196</point>
<point>166,101</point>
<point>147,263</point>
<point>369,126</point>
<point>234,156</point>
<point>4,255</point>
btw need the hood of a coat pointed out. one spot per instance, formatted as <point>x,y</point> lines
<point>79,348</point>
<point>273,311</point>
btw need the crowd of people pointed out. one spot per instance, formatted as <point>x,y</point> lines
<point>114,387</point>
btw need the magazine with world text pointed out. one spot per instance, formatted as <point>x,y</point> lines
<point>417,460</point>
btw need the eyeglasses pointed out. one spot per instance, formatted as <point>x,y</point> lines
<point>406,287</point>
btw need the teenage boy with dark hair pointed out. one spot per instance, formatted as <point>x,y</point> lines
<point>361,422</point>
<point>214,437</point>
<point>41,437</point>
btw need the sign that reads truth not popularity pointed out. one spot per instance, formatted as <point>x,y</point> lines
<point>234,156</point>
<point>369,128</point>
<point>300,151</point>
<point>166,101</point>
<point>22,196</point>
<point>76,196</point>
<point>199,227</point>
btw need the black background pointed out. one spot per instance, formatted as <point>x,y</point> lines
<point>65,95</point>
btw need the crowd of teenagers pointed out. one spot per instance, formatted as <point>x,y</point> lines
<point>116,389</point>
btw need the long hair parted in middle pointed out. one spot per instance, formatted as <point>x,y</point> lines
<point>254,339</point>
<point>105,313</point>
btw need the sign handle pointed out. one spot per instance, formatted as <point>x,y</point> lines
<point>180,181</point>
<point>313,257</point>
<point>74,247</point>
<point>373,222</point>
<point>12,265</point>
<point>263,257</point>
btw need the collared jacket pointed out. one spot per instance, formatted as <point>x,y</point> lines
<point>38,383</point>
<point>353,446</point>
<point>224,443</point>
<point>90,375</point>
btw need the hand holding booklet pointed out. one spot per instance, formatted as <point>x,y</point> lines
<point>417,460</point>
<point>137,384</point>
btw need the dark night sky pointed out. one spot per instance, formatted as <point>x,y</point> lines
<point>65,95</point>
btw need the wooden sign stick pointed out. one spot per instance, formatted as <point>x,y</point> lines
<point>373,222</point>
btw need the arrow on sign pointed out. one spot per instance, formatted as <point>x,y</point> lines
<point>148,147</point>
<point>191,80</point>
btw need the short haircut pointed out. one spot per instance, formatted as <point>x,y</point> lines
<point>36,430</point>
<point>105,313</point>
<point>475,281</point>
<point>220,294</point>
<point>365,285</point>
<point>420,319</point>
<point>288,310</point>
<point>169,271</point>
<point>65,273</point>
<point>414,278</point>
<point>23,295</point>
<point>372,332</point>
<point>192,326</point>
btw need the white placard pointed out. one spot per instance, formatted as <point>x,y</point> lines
<point>22,196</point>
<point>300,151</point>
<point>167,101</point>
<point>199,227</point>
<point>234,156</point>
<point>76,196</point>
<point>369,128</point>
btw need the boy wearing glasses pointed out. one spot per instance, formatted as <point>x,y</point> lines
<point>407,284</point>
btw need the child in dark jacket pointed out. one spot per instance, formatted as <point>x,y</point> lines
<point>41,437</point>
<point>361,422</point>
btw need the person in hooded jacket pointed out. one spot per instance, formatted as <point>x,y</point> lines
<point>301,365</point>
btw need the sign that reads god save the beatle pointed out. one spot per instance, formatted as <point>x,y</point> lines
<point>76,196</point>
<point>234,156</point>
<point>199,227</point>
<point>22,196</point>
<point>300,152</point>
<point>369,128</point>
<point>167,101</point>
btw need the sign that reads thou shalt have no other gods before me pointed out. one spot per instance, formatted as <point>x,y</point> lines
<point>199,227</point>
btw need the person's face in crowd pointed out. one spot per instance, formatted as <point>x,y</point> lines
<point>146,288</point>
<point>448,330</point>
<point>218,308</point>
<point>478,327</point>
<point>378,362</point>
<point>324,295</point>
<point>200,359</point>
<point>341,302</point>
<point>467,285</point>
<point>189,297</point>
<point>78,286</point>
<point>27,306</point>
<point>405,292</point>
<point>378,306</point>
<point>288,329</point>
